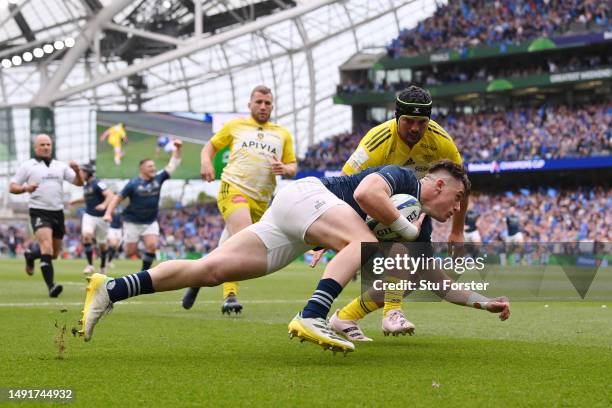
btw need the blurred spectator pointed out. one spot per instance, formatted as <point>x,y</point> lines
<point>469,23</point>
<point>547,215</point>
<point>519,134</point>
<point>542,133</point>
<point>434,75</point>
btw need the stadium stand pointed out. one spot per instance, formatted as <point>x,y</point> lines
<point>529,133</point>
<point>478,22</point>
<point>548,215</point>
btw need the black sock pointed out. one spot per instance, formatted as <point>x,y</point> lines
<point>89,253</point>
<point>46,267</point>
<point>147,260</point>
<point>131,285</point>
<point>111,254</point>
<point>34,250</point>
<point>322,298</point>
<point>103,258</point>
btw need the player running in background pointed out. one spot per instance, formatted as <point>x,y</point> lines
<point>513,226</point>
<point>260,150</point>
<point>116,135</point>
<point>514,238</point>
<point>140,216</point>
<point>96,196</point>
<point>164,142</point>
<point>412,140</point>
<point>472,234</point>
<point>115,235</point>
<point>43,177</point>
<point>309,212</point>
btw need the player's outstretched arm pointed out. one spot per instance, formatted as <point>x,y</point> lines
<point>175,160</point>
<point>468,298</point>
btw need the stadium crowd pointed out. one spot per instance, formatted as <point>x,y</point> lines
<point>190,229</point>
<point>547,215</point>
<point>470,23</point>
<point>434,75</point>
<point>516,134</point>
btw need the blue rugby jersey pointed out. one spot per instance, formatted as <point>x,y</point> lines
<point>513,224</point>
<point>401,181</point>
<point>144,198</point>
<point>93,192</point>
<point>117,221</point>
<point>471,218</point>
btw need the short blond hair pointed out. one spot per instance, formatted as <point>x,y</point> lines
<point>262,89</point>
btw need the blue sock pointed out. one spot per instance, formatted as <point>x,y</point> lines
<point>322,298</point>
<point>147,260</point>
<point>89,253</point>
<point>131,285</point>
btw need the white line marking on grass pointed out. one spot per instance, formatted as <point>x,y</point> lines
<point>136,302</point>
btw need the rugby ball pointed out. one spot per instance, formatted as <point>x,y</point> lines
<point>407,205</point>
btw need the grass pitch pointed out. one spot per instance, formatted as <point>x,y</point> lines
<point>151,352</point>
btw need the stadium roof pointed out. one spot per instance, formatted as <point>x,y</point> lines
<point>184,55</point>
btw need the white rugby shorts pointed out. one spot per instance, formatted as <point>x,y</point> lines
<point>292,212</point>
<point>132,232</point>
<point>91,225</point>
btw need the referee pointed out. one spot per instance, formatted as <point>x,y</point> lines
<point>43,178</point>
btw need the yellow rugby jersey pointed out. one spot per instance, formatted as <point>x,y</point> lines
<point>116,134</point>
<point>252,145</point>
<point>382,145</point>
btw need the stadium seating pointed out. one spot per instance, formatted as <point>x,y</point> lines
<point>548,215</point>
<point>545,132</point>
<point>471,23</point>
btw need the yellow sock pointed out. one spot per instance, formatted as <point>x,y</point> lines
<point>393,298</point>
<point>358,308</point>
<point>230,287</point>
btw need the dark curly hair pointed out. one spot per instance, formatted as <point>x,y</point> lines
<point>414,94</point>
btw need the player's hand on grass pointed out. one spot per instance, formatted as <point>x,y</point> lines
<point>316,256</point>
<point>278,168</point>
<point>207,171</point>
<point>178,143</point>
<point>500,305</point>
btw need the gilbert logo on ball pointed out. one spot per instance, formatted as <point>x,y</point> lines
<point>407,205</point>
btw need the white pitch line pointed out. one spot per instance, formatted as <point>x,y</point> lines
<point>136,302</point>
